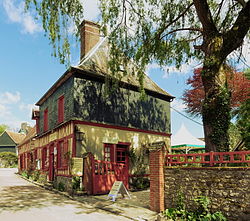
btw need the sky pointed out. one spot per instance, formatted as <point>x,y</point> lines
<point>28,70</point>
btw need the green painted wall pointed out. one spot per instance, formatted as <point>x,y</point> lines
<point>8,149</point>
<point>5,140</point>
<point>124,107</point>
<point>65,89</point>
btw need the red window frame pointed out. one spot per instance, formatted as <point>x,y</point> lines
<point>44,158</point>
<point>109,152</point>
<point>62,151</point>
<point>45,120</point>
<point>60,108</point>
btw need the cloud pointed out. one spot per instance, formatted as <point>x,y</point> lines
<point>15,13</point>
<point>91,9</point>
<point>178,105</point>
<point>10,98</point>
<point>13,111</point>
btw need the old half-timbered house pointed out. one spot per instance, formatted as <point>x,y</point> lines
<point>111,132</point>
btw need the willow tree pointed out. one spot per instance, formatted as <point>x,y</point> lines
<point>167,33</point>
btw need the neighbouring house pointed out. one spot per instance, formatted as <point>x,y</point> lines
<point>184,142</point>
<point>9,140</point>
<point>107,134</point>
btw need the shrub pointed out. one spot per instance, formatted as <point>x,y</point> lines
<point>76,183</point>
<point>61,187</point>
<point>201,213</point>
<point>8,159</point>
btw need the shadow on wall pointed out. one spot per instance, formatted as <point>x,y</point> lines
<point>123,107</point>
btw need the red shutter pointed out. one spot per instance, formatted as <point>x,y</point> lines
<point>60,106</point>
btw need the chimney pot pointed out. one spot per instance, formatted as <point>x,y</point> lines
<point>90,36</point>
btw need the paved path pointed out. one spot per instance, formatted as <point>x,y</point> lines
<point>23,201</point>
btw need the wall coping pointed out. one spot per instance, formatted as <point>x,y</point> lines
<point>208,168</point>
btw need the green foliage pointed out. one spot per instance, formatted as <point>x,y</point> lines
<point>202,213</point>
<point>25,174</point>
<point>61,187</point>
<point>76,183</point>
<point>3,127</point>
<point>35,175</point>
<point>8,159</point>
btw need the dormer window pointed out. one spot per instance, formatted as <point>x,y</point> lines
<point>45,120</point>
<point>60,106</point>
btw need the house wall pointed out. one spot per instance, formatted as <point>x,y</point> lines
<point>65,89</point>
<point>8,149</point>
<point>124,107</point>
<point>94,138</point>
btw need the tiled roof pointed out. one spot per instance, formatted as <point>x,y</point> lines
<point>96,61</point>
<point>16,137</point>
<point>30,135</point>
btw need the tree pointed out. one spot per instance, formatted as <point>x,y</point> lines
<point>3,127</point>
<point>243,118</point>
<point>238,85</point>
<point>167,32</point>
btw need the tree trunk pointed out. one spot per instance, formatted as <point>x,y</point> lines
<point>216,106</point>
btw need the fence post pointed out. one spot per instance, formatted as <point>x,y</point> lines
<point>211,154</point>
<point>156,167</point>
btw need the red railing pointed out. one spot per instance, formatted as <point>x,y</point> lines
<point>211,158</point>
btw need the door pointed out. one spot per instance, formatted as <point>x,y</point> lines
<point>51,163</point>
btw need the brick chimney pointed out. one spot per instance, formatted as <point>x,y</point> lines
<point>90,35</point>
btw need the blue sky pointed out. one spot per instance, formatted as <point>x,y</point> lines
<point>28,70</point>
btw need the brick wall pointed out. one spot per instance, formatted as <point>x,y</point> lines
<point>227,188</point>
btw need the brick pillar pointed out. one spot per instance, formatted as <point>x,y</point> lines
<point>156,167</point>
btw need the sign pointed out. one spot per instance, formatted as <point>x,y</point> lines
<point>118,187</point>
<point>77,166</point>
<point>156,145</point>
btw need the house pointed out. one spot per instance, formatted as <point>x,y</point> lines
<point>183,141</point>
<point>78,120</point>
<point>9,140</point>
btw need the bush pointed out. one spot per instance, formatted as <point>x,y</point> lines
<point>76,183</point>
<point>8,159</point>
<point>61,187</point>
<point>201,213</point>
<point>139,183</point>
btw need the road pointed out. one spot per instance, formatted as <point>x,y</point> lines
<point>23,201</point>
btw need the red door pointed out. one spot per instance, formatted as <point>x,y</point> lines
<point>51,163</point>
<point>113,168</point>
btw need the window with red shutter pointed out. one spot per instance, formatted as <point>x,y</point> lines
<point>44,158</point>
<point>45,120</point>
<point>60,106</point>
<point>62,154</point>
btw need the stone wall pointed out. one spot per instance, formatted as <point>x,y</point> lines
<point>227,188</point>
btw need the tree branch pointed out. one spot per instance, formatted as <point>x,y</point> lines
<point>181,29</point>
<point>205,17</point>
<point>242,2</point>
<point>234,37</point>
<point>162,29</point>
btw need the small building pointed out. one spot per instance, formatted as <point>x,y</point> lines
<point>107,134</point>
<point>9,140</point>
<point>184,142</point>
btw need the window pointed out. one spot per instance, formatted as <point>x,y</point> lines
<point>62,154</point>
<point>60,107</point>
<point>109,152</point>
<point>44,158</point>
<point>45,120</point>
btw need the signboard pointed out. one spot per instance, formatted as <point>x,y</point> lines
<point>77,166</point>
<point>118,187</point>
